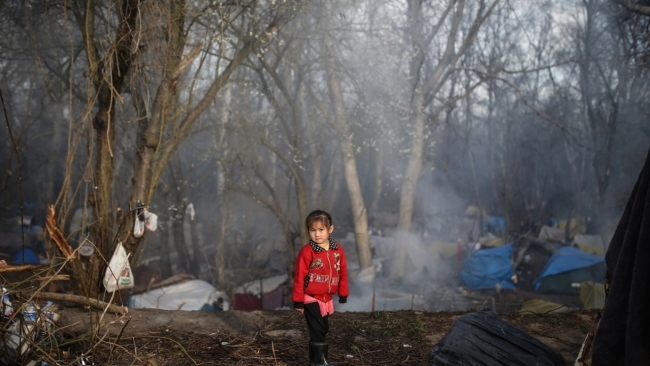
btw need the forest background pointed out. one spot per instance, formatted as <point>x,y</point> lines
<point>231,120</point>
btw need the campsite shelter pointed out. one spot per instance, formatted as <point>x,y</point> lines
<point>589,243</point>
<point>193,294</point>
<point>486,268</point>
<point>263,294</point>
<point>569,266</point>
<point>25,256</point>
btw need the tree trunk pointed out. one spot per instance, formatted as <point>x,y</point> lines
<point>151,128</point>
<point>424,90</point>
<point>178,234</point>
<point>359,213</point>
<point>416,125</point>
<point>165,262</point>
<point>407,194</point>
<point>197,247</point>
<point>219,250</point>
<point>379,183</point>
<point>106,83</point>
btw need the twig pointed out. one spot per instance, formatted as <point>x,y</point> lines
<point>20,172</point>
<point>273,349</point>
<point>53,278</point>
<point>117,340</point>
<point>57,236</point>
<point>83,355</point>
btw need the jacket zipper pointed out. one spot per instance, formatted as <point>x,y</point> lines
<point>329,265</point>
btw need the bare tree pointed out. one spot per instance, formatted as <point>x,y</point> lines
<point>134,31</point>
<point>427,77</point>
<point>342,124</point>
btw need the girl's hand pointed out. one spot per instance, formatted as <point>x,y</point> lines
<point>301,311</point>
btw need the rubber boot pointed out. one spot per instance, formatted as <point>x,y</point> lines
<point>318,354</point>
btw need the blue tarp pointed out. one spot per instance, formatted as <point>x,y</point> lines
<point>25,257</point>
<point>488,267</point>
<point>567,259</point>
<point>496,224</point>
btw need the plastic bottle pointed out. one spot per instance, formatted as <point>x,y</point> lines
<point>30,312</point>
<point>49,311</point>
<point>6,308</point>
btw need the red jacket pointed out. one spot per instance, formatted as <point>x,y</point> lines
<point>320,273</point>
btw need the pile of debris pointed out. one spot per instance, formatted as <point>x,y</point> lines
<point>29,330</point>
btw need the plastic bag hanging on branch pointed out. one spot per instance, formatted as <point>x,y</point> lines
<point>118,275</point>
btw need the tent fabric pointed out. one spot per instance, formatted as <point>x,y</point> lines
<point>445,250</point>
<point>624,329</point>
<point>483,338</point>
<point>25,256</point>
<point>246,302</point>
<point>539,306</point>
<point>592,295</point>
<point>575,227</point>
<point>265,294</point>
<point>592,244</point>
<point>488,267</point>
<point>496,224</point>
<point>257,286</point>
<point>551,233</point>
<point>475,211</point>
<point>491,241</point>
<point>592,249</point>
<point>567,259</point>
<point>188,295</point>
<point>274,300</point>
<point>562,283</point>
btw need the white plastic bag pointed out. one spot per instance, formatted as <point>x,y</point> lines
<point>138,226</point>
<point>118,275</point>
<point>150,221</point>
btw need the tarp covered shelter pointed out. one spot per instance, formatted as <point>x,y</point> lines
<point>589,243</point>
<point>592,295</point>
<point>264,294</point>
<point>486,268</point>
<point>549,233</point>
<point>539,306</point>
<point>25,256</point>
<point>188,295</point>
<point>568,265</point>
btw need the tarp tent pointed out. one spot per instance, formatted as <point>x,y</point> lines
<point>25,256</point>
<point>552,234</point>
<point>188,295</point>
<point>592,295</point>
<point>265,294</point>
<point>569,265</point>
<point>539,306</point>
<point>592,244</point>
<point>488,267</point>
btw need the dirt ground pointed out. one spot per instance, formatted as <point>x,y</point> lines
<point>158,337</point>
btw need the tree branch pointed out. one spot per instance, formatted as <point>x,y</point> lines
<point>635,7</point>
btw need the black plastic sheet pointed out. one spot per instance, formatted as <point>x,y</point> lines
<point>483,338</point>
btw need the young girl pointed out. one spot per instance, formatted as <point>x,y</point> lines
<point>321,271</point>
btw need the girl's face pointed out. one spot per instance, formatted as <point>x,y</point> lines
<point>320,234</point>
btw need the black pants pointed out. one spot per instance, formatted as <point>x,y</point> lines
<point>318,325</point>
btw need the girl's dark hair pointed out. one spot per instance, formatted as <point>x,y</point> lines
<point>319,215</point>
